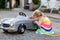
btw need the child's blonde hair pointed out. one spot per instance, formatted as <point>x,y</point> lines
<point>37,13</point>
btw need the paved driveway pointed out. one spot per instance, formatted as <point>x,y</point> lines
<point>28,35</point>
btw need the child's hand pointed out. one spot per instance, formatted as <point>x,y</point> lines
<point>31,17</point>
<point>35,22</point>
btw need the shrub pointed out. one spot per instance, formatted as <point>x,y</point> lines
<point>59,9</point>
<point>2,3</point>
<point>36,1</point>
<point>43,6</point>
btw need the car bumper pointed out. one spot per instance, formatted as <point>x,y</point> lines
<point>8,28</point>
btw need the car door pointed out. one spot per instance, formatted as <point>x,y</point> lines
<point>30,24</point>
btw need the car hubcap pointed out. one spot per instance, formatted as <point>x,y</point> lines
<point>22,29</point>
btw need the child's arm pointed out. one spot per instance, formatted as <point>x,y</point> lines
<point>36,22</point>
<point>39,22</point>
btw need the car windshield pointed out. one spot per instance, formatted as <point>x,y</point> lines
<point>20,17</point>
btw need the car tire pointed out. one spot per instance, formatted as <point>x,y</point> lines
<point>5,30</point>
<point>21,29</point>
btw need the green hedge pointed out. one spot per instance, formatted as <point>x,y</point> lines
<point>2,3</point>
<point>36,1</point>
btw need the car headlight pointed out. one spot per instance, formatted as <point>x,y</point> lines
<point>0,23</point>
<point>11,24</point>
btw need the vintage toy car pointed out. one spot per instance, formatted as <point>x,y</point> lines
<point>19,24</point>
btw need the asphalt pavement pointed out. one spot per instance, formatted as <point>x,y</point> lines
<point>28,35</point>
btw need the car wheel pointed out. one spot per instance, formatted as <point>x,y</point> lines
<point>5,30</point>
<point>21,29</point>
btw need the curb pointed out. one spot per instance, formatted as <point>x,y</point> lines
<point>54,17</point>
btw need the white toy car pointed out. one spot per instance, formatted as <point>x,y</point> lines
<point>19,24</point>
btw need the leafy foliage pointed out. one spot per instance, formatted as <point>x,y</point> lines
<point>59,9</point>
<point>36,1</point>
<point>2,3</point>
<point>43,6</point>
